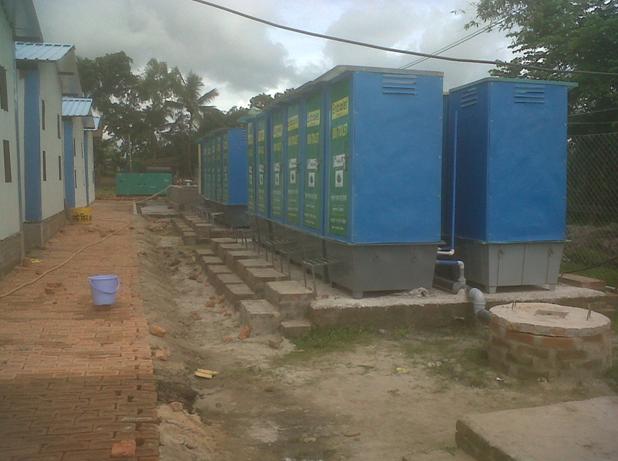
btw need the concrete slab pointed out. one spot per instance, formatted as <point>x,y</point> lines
<point>231,256</point>
<point>158,211</point>
<point>199,252</point>
<point>258,276</point>
<point>295,328</point>
<point>243,264</point>
<point>570,431</point>
<point>434,308</point>
<point>216,241</point>
<point>211,260</point>
<point>291,298</point>
<point>582,281</point>
<point>213,270</point>
<point>260,315</point>
<point>229,278</point>
<point>237,292</point>
<point>223,248</point>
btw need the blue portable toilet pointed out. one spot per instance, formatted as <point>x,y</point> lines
<point>262,173</point>
<point>278,173</point>
<point>223,173</point>
<point>382,175</point>
<point>508,138</point>
<point>250,154</point>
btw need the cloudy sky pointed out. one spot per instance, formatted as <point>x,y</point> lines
<point>242,58</point>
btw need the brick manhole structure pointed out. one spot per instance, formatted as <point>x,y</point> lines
<point>548,340</point>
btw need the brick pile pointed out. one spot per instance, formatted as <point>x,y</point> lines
<point>76,382</point>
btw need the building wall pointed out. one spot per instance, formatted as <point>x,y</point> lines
<point>52,189</point>
<point>75,163</point>
<point>89,166</point>
<point>9,191</point>
<point>80,163</point>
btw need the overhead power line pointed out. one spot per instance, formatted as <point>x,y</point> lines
<point>399,50</point>
<point>457,42</point>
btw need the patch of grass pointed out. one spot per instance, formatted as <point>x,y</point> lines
<point>106,191</point>
<point>460,358</point>
<point>324,341</point>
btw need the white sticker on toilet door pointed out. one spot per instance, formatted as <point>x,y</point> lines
<point>311,179</point>
<point>292,176</point>
<point>338,178</point>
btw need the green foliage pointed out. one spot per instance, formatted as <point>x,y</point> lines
<point>565,35</point>
<point>321,341</point>
<point>150,118</point>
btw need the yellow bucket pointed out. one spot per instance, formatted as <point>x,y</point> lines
<point>81,215</point>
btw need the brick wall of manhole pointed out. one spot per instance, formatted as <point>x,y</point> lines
<point>548,340</point>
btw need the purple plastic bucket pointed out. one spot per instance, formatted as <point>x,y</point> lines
<point>104,289</point>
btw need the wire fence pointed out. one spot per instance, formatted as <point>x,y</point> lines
<point>592,207</point>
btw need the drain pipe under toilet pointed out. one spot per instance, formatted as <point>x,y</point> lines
<point>479,305</point>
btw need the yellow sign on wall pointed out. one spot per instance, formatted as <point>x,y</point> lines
<point>340,108</point>
<point>293,123</point>
<point>313,118</point>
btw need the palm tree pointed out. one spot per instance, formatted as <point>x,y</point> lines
<point>190,106</point>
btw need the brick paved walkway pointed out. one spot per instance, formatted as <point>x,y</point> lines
<point>75,379</point>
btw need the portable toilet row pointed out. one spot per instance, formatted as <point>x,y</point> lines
<point>350,164</point>
<point>505,180</point>
<point>223,173</point>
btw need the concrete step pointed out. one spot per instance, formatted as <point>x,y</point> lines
<point>216,241</point>
<point>295,328</point>
<point>202,229</point>
<point>213,270</point>
<point>206,261</point>
<point>257,277</point>
<point>188,237</point>
<point>180,225</point>
<point>291,298</point>
<point>222,279</point>
<point>189,218</point>
<point>243,264</point>
<point>223,248</point>
<point>199,252</point>
<point>260,315</point>
<point>220,232</point>
<point>237,292</point>
<point>231,256</point>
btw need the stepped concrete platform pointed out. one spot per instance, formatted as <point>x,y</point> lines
<point>435,308</point>
<point>180,225</point>
<point>257,277</point>
<point>223,248</point>
<point>242,265</point>
<point>231,256</point>
<point>221,232</point>
<point>202,229</point>
<point>291,297</point>
<point>199,252</point>
<point>569,431</point>
<point>219,280</point>
<point>213,270</point>
<point>260,315</point>
<point>237,292</point>
<point>188,237</point>
<point>215,242</point>
<point>211,260</point>
<point>295,328</point>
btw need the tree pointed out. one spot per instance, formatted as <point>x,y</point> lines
<point>564,35</point>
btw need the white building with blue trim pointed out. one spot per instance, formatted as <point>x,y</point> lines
<point>77,117</point>
<point>17,21</point>
<point>46,163</point>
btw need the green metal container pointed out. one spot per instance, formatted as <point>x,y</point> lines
<point>142,183</point>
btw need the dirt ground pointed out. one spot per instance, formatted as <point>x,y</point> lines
<point>336,395</point>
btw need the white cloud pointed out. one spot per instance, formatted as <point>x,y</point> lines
<point>242,58</point>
